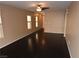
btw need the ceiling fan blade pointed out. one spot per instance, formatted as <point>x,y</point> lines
<point>44,8</point>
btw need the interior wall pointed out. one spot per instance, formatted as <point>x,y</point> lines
<point>54,21</point>
<point>14,24</point>
<point>72,31</point>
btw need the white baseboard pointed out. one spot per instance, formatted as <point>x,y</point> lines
<point>68,45</point>
<point>54,32</point>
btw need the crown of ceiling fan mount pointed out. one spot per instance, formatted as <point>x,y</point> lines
<point>38,9</point>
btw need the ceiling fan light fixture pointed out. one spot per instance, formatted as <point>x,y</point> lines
<point>38,9</point>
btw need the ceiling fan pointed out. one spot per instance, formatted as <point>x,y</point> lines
<point>40,7</point>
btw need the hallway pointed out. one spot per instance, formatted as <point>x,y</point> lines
<point>39,29</point>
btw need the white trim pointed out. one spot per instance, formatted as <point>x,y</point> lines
<point>19,38</point>
<point>68,45</point>
<point>65,22</point>
<point>54,32</point>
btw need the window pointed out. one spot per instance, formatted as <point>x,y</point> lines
<point>1,29</point>
<point>29,23</point>
<point>0,20</point>
<point>36,21</point>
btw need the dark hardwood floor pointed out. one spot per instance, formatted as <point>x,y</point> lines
<point>49,45</point>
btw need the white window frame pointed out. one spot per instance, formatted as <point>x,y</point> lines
<point>29,22</point>
<point>36,21</point>
<point>1,29</point>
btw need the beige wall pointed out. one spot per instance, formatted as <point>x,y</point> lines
<point>54,21</point>
<point>72,29</point>
<point>14,24</point>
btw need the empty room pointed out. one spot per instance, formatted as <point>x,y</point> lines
<point>39,29</point>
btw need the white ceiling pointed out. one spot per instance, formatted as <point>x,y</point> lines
<point>29,5</point>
